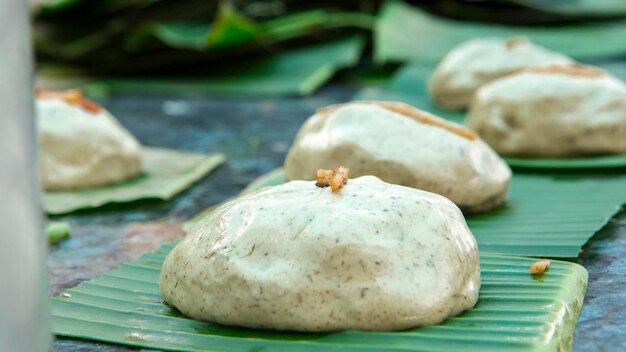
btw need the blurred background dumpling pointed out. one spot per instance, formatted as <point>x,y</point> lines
<point>479,61</point>
<point>82,144</point>
<point>553,111</point>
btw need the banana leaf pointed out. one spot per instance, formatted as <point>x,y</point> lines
<point>165,174</point>
<point>177,35</point>
<point>595,162</point>
<point>368,75</point>
<point>57,231</point>
<point>232,29</point>
<point>55,7</point>
<point>515,312</point>
<point>59,4</point>
<point>404,33</point>
<point>577,7</point>
<point>544,215</point>
<point>297,71</point>
<point>299,24</point>
<point>229,28</point>
<point>150,37</point>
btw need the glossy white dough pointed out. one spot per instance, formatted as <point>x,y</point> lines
<point>551,115</point>
<point>479,61</point>
<point>371,140</point>
<point>373,256</point>
<point>79,148</point>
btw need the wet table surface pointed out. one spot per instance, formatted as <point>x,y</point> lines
<point>255,134</point>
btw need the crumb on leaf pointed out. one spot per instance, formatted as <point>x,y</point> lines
<point>540,266</point>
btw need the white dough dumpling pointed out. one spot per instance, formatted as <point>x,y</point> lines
<point>370,256</point>
<point>402,145</point>
<point>552,111</point>
<point>479,61</point>
<point>81,144</point>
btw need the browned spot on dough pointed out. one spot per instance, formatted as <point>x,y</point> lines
<point>570,70</point>
<point>409,111</point>
<point>71,96</point>
<point>516,41</point>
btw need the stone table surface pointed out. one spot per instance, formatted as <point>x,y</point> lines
<point>255,134</point>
